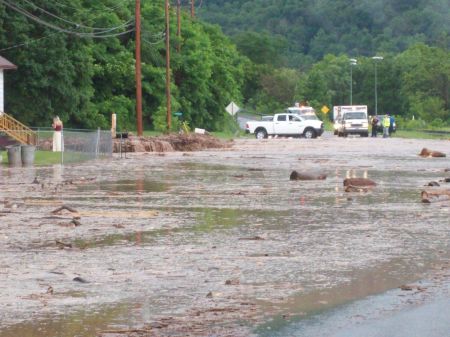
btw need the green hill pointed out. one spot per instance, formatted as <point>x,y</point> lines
<point>304,31</point>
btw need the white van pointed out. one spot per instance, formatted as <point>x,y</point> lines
<point>351,119</point>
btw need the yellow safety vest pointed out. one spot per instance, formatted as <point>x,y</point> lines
<point>386,122</point>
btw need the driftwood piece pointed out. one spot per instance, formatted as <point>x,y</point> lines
<point>429,153</point>
<point>125,331</point>
<point>76,222</point>
<point>64,207</point>
<point>62,245</point>
<point>306,176</point>
<point>435,196</point>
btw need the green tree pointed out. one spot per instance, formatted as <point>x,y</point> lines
<point>426,81</point>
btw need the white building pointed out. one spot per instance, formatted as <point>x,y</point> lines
<point>4,65</point>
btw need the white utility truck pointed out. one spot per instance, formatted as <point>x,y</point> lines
<point>350,119</point>
<point>301,110</point>
<point>287,124</point>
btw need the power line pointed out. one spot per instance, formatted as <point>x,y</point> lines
<point>63,30</point>
<point>108,29</point>
<point>106,8</point>
<point>28,42</point>
<point>153,43</point>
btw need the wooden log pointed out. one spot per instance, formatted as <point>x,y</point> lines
<point>429,153</point>
<point>306,176</point>
<point>59,209</point>
<point>359,182</point>
<point>435,196</point>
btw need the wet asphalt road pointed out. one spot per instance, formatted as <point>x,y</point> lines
<point>160,233</point>
<point>395,313</point>
<point>430,320</point>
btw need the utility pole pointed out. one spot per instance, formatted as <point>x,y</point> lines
<point>376,59</point>
<point>353,62</point>
<point>169,113</point>
<point>192,9</point>
<point>179,25</point>
<point>138,69</point>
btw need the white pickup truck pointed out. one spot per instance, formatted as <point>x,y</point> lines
<point>287,124</point>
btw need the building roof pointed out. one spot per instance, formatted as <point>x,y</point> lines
<point>5,64</point>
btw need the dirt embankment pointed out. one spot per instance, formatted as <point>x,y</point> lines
<point>164,143</point>
<point>169,143</point>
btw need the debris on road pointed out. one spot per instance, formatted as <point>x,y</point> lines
<point>435,196</point>
<point>429,153</point>
<point>80,279</point>
<point>306,176</point>
<point>232,282</point>
<point>359,182</point>
<point>351,188</point>
<point>253,238</point>
<point>64,207</point>
<point>62,245</point>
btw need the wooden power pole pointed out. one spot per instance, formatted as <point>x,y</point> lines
<point>179,25</point>
<point>169,112</point>
<point>192,9</point>
<point>138,69</point>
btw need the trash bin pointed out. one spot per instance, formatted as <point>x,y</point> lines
<point>14,155</point>
<point>28,155</point>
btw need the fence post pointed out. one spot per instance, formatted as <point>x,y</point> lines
<point>37,140</point>
<point>98,143</point>
<point>62,147</point>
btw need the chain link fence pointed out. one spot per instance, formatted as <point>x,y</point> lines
<point>77,145</point>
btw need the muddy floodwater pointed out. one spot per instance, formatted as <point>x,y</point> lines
<point>214,243</point>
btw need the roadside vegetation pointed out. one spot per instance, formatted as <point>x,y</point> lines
<point>421,134</point>
<point>260,64</point>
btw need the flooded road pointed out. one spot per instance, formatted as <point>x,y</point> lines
<point>214,242</point>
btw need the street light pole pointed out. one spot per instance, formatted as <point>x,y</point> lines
<point>376,59</point>
<point>353,62</point>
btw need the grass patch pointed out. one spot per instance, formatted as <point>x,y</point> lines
<point>47,158</point>
<point>420,134</point>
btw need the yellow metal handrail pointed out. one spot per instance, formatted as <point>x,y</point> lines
<point>15,129</point>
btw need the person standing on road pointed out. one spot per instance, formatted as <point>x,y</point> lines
<point>391,125</point>
<point>374,123</point>
<point>386,124</point>
<point>57,134</point>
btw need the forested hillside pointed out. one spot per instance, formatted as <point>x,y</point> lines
<point>305,30</point>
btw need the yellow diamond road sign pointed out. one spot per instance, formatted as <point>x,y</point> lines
<point>325,109</point>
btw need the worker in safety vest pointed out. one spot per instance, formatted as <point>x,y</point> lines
<point>386,125</point>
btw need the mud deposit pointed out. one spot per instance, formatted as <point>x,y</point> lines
<point>214,243</point>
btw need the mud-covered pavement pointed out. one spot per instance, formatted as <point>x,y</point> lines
<point>214,243</point>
